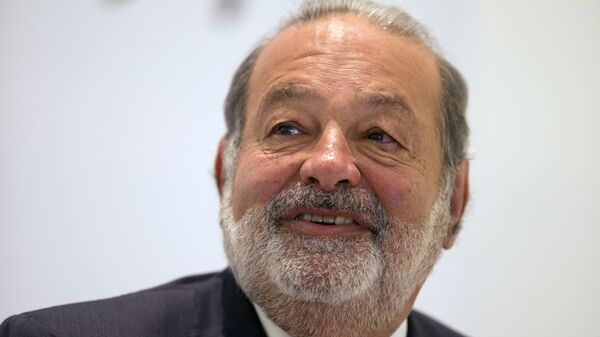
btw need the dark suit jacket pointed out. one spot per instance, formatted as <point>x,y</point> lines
<point>204,305</point>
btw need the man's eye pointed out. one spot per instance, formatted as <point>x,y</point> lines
<point>286,130</point>
<point>379,136</point>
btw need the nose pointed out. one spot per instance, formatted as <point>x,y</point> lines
<point>330,163</point>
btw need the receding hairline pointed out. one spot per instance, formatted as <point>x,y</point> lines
<point>279,90</point>
<point>452,126</point>
<point>398,23</point>
<point>421,41</point>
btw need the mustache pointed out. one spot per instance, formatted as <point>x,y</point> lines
<point>352,200</point>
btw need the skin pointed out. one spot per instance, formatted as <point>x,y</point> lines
<point>338,102</point>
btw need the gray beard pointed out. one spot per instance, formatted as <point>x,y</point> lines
<point>324,286</point>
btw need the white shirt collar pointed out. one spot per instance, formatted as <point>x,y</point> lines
<point>272,330</point>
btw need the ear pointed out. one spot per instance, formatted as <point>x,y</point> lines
<point>460,196</point>
<point>219,165</point>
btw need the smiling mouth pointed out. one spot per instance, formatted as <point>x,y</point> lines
<point>325,222</point>
<point>325,219</point>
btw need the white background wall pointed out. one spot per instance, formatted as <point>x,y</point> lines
<point>110,113</point>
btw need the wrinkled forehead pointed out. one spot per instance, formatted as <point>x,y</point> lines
<point>346,51</point>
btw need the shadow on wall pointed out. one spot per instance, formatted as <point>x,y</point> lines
<point>228,8</point>
<point>222,10</point>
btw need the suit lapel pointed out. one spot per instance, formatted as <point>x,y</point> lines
<point>240,318</point>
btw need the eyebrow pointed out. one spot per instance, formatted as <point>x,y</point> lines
<point>383,100</point>
<point>287,92</point>
<point>290,91</point>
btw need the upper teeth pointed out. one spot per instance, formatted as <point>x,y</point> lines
<point>338,220</point>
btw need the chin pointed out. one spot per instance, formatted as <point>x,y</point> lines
<point>309,285</point>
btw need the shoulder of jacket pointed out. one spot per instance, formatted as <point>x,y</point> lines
<point>166,310</point>
<point>421,325</point>
<point>23,325</point>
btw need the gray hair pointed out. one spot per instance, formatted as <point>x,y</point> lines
<point>452,128</point>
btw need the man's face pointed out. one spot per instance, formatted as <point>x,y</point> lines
<point>338,186</point>
<point>344,103</point>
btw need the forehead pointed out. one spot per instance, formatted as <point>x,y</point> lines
<point>343,55</point>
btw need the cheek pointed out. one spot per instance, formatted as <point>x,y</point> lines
<point>258,179</point>
<point>404,197</point>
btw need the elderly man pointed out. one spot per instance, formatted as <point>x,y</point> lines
<point>342,176</point>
